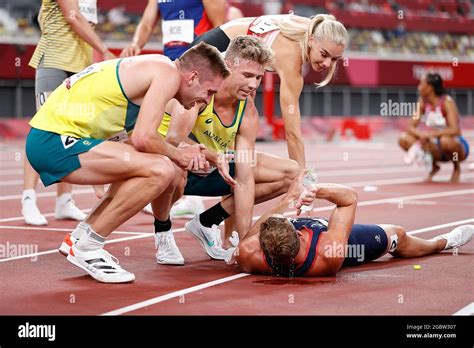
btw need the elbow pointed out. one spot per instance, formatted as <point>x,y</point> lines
<point>140,142</point>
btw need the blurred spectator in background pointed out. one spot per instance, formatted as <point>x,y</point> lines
<point>182,21</point>
<point>442,142</point>
<point>65,48</point>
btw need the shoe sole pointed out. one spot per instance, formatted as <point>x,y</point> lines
<point>201,240</point>
<point>64,249</point>
<point>170,263</point>
<point>72,260</point>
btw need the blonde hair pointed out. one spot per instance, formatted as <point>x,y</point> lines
<point>323,27</point>
<point>250,48</point>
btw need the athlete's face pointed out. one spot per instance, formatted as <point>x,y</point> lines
<point>198,91</point>
<point>424,88</point>
<point>323,53</point>
<point>245,78</point>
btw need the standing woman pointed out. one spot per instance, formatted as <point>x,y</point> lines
<point>66,45</point>
<point>443,142</point>
<point>319,41</point>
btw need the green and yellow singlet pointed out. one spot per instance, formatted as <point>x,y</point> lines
<point>209,129</point>
<point>90,104</point>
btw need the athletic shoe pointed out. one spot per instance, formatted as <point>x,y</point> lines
<point>67,210</point>
<point>148,209</point>
<point>168,252</point>
<point>210,238</point>
<point>414,152</point>
<point>66,245</point>
<point>31,213</point>
<point>187,208</point>
<point>459,236</point>
<point>100,265</point>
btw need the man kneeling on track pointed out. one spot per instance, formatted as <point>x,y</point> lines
<point>316,247</point>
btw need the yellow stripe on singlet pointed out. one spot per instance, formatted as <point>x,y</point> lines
<point>59,46</point>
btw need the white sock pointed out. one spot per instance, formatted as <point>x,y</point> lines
<point>90,241</point>
<point>60,200</point>
<point>80,230</point>
<point>31,193</point>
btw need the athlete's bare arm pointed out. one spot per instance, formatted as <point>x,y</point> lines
<point>288,66</point>
<point>142,81</point>
<point>181,124</point>
<point>143,31</point>
<point>216,11</point>
<point>339,226</point>
<point>244,190</point>
<point>80,25</point>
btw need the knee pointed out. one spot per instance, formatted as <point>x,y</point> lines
<point>400,232</point>
<point>448,143</point>
<point>404,141</point>
<point>162,169</point>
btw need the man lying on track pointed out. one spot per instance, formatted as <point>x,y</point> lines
<point>316,247</point>
<point>105,101</point>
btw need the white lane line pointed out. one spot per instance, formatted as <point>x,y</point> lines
<point>468,310</point>
<point>58,229</point>
<point>360,204</point>
<point>426,229</point>
<point>178,293</point>
<point>111,241</point>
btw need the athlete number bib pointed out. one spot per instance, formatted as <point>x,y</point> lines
<point>180,30</point>
<point>88,9</point>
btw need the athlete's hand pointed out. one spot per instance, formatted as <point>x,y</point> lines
<point>307,198</point>
<point>108,55</point>
<point>191,157</point>
<point>130,51</point>
<point>223,168</point>
<point>99,190</point>
<point>296,187</point>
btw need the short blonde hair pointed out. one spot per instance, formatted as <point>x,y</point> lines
<point>204,57</point>
<point>323,27</point>
<point>250,48</point>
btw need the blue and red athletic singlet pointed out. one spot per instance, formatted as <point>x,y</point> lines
<point>182,22</point>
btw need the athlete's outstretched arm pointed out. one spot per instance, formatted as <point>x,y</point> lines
<point>291,86</point>
<point>244,190</point>
<point>143,31</point>
<point>216,11</point>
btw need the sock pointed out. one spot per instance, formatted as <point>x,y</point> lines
<point>213,216</point>
<point>60,200</point>
<point>30,193</point>
<point>80,230</point>
<point>90,241</point>
<point>162,226</point>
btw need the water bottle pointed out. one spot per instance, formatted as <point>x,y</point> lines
<point>309,181</point>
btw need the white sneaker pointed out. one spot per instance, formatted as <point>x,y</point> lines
<point>148,209</point>
<point>31,213</point>
<point>414,152</point>
<point>168,252</point>
<point>187,207</point>
<point>210,238</point>
<point>67,210</point>
<point>100,265</point>
<point>66,245</point>
<point>459,236</point>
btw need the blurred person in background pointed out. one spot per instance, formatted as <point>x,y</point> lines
<point>65,47</point>
<point>443,141</point>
